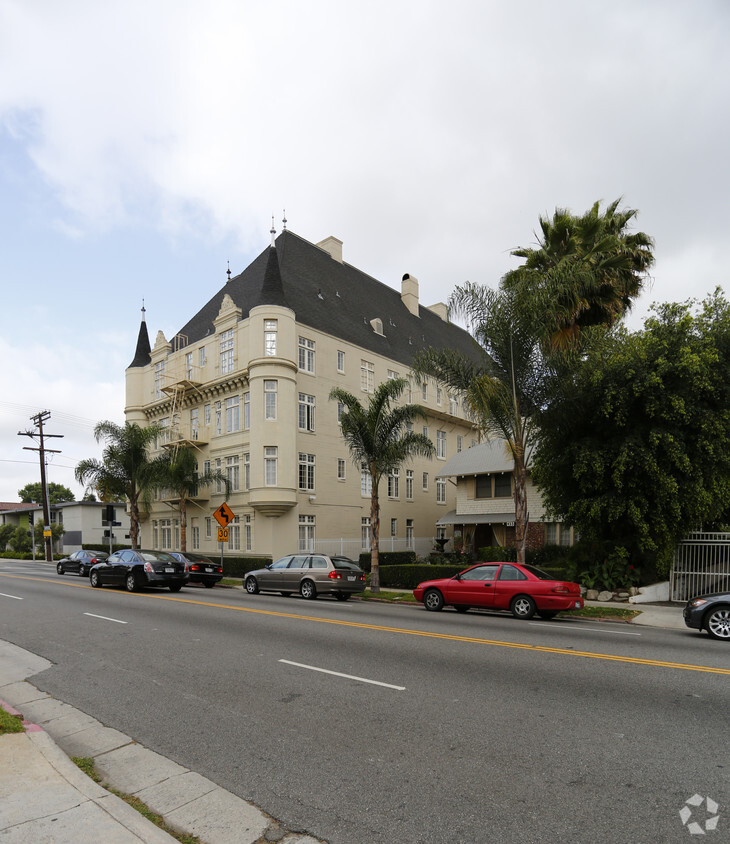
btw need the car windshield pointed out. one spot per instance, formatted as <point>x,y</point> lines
<point>539,573</point>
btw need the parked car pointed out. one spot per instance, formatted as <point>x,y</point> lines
<point>80,562</point>
<point>711,613</point>
<point>522,589</point>
<point>200,569</point>
<point>137,569</point>
<point>309,575</point>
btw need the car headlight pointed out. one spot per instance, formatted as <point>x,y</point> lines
<point>697,602</point>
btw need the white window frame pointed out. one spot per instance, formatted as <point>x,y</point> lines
<point>306,472</point>
<point>306,412</point>
<point>306,355</point>
<point>340,362</point>
<point>440,490</point>
<point>409,484</point>
<point>270,337</point>
<point>441,445</point>
<point>271,465</point>
<point>367,376</point>
<point>307,532</point>
<point>341,469</point>
<point>233,414</point>
<point>227,356</point>
<point>271,388</point>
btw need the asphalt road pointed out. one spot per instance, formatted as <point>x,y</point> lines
<point>361,722</point>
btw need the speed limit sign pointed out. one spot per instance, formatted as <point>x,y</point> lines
<point>222,534</point>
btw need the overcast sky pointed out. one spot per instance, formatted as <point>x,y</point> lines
<point>145,144</point>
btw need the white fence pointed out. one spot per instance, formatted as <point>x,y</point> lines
<point>352,548</point>
<point>701,565</point>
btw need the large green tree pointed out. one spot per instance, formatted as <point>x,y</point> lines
<point>175,472</point>
<point>502,384</point>
<point>638,451</point>
<point>585,271</point>
<point>56,493</point>
<point>125,469</point>
<point>378,438</point>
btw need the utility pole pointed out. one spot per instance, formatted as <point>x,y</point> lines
<point>39,419</point>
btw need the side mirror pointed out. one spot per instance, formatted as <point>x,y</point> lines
<point>268,565</point>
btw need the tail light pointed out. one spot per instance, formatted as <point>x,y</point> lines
<point>148,567</point>
<point>562,589</point>
<point>220,569</point>
<point>194,567</point>
<point>93,560</point>
<point>334,575</point>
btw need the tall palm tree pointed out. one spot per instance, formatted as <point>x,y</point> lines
<point>125,468</point>
<point>378,438</point>
<point>502,385</point>
<point>177,471</point>
<point>586,271</point>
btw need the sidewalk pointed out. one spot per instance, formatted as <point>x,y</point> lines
<point>652,615</point>
<point>46,799</point>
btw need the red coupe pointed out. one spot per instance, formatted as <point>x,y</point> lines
<point>522,589</point>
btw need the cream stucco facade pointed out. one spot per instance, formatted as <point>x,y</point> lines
<point>252,397</point>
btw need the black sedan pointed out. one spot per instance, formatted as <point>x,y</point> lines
<point>137,569</point>
<point>710,613</point>
<point>200,569</point>
<point>80,562</point>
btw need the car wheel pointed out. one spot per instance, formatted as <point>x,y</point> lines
<point>717,623</point>
<point>462,609</point>
<point>251,586</point>
<point>82,572</point>
<point>523,607</point>
<point>433,600</point>
<point>60,569</point>
<point>175,587</point>
<point>342,596</point>
<point>209,584</point>
<point>131,583</point>
<point>308,590</point>
<point>95,579</point>
<point>547,614</point>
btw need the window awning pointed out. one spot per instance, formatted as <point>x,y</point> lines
<point>451,518</point>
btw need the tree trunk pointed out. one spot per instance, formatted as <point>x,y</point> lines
<point>374,539</point>
<point>133,522</point>
<point>183,524</point>
<point>521,517</point>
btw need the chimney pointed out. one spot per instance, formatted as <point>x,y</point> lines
<point>332,245</point>
<point>409,293</point>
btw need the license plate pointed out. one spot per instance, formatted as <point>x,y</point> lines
<point>577,605</point>
<point>169,570</point>
<point>207,568</point>
<point>351,577</point>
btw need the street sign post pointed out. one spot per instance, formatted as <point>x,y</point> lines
<point>224,516</point>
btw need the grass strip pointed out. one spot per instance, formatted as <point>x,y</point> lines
<point>86,764</point>
<point>10,723</point>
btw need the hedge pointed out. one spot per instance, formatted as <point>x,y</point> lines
<point>408,577</point>
<point>388,558</point>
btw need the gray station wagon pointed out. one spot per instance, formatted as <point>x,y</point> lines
<point>309,575</point>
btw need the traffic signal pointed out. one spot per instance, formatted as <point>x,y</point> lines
<point>30,518</point>
<point>109,517</point>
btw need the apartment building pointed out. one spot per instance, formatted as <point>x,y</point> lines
<point>246,382</point>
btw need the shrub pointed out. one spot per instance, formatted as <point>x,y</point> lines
<point>388,558</point>
<point>408,577</point>
<point>241,566</point>
<point>497,554</point>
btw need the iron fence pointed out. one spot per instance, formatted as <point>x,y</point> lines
<point>701,565</point>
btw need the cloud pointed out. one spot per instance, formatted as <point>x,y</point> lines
<point>429,137</point>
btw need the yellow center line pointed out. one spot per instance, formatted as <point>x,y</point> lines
<point>409,631</point>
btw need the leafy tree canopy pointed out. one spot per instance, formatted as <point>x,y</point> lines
<point>638,449</point>
<point>56,493</point>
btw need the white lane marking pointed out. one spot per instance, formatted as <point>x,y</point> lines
<point>346,676</point>
<point>104,618</point>
<point>15,597</point>
<point>581,628</point>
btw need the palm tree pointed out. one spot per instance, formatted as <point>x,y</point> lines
<point>379,439</point>
<point>503,384</point>
<point>586,271</point>
<point>125,469</point>
<point>177,472</point>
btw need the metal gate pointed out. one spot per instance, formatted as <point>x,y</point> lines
<point>701,565</point>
